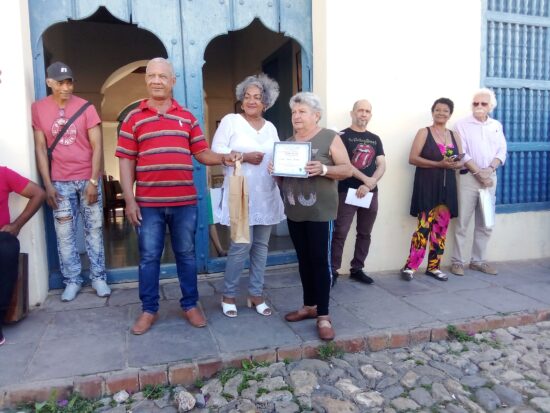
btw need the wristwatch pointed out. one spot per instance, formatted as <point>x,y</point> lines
<point>325,170</point>
<point>93,181</point>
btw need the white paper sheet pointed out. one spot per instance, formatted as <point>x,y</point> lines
<point>487,207</point>
<point>216,200</point>
<point>351,199</point>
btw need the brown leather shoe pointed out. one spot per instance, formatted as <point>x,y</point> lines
<point>144,323</point>
<point>303,313</point>
<point>324,327</point>
<point>457,269</point>
<point>484,267</point>
<point>195,317</point>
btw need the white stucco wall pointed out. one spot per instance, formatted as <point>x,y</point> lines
<point>402,55</point>
<point>16,141</point>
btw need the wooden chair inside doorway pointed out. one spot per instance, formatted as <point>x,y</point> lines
<point>112,198</point>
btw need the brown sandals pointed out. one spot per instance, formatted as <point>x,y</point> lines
<point>303,313</point>
<point>324,327</point>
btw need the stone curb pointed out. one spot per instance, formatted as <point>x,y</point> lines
<point>186,373</point>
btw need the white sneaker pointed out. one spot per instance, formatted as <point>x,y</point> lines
<point>101,288</point>
<point>71,290</point>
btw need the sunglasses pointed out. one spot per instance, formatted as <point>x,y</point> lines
<point>480,103</point>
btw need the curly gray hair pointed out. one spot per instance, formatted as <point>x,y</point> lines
<point>268,87</point>
<point>309,99</point>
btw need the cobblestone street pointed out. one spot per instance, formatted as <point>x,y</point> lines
<point>506,370</point>
<point>393,333</point>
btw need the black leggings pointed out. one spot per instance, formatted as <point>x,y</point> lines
<point>9,260</point>
<point>312,243</point>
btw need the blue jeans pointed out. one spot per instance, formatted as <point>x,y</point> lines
<point>65,217</point>
<point>182,222</point>
<point>236,257</point>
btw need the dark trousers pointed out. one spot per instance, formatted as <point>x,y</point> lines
<point>365,222</point>
<point>9,261</point>
<point>312,243</point>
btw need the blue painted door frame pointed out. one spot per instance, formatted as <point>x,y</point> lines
<point>185,27</point>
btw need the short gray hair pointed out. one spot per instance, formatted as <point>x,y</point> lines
<point>309,99</point>
<point>163,61</point>
<point>490,93</point>
<point>268,87</point>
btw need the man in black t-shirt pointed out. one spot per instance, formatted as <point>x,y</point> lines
<point>369,164</point>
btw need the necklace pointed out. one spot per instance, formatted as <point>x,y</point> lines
<point>438,137</point>
<point>161,108</point>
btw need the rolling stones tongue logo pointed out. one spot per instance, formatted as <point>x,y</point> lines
<point>362,156</point>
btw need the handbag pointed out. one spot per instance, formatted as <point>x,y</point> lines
<point>62,132</point>
<point>238,206</point>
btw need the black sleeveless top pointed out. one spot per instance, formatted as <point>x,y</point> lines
<point>434,186</point>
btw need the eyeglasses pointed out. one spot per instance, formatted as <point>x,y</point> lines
<point>480,103</point>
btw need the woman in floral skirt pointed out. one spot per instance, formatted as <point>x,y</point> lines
<point>435,153</point>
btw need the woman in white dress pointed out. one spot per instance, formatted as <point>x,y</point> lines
<point>251,135</point>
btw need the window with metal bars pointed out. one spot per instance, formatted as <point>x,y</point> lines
<point>516,65</point>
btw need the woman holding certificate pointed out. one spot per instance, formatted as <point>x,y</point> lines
<point>311,204</point>
<point>252,136</point>
<point>435,153</point>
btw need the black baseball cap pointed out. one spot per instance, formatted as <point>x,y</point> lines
<point>59,71</point>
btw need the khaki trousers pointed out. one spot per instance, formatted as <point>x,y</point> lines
<point>468,205</point>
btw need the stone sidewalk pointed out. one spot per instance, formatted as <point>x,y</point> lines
<point>86,345</point>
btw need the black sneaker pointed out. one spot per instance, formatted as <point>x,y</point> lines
<point>360,276</point>
<point>335,276</point>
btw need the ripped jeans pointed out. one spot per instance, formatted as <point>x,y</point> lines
<point>73,201</point>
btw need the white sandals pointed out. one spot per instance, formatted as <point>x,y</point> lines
<point>262,308</point>
<point>407,274</point>
<point>437,274</point>
<point>229,309</point>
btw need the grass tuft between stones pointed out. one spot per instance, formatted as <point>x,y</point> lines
<point>326,351</point>
<point>464,337</point>
<point>75,403</point>
<point>153,392</point>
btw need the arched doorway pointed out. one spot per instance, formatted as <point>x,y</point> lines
<point>228,60</point>
<point>182,30</point>
<point>110,80</point>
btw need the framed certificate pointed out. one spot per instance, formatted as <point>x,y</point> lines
<point>290,159</point>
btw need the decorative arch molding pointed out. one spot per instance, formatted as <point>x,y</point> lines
<point>198,22</point>
<point>122,72</point>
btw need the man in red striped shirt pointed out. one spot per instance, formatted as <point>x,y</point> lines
<point>156,145</point>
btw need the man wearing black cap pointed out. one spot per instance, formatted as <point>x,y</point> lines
<point>72,179</point>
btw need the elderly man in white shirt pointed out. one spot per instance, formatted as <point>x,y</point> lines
<point>485,147</point>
